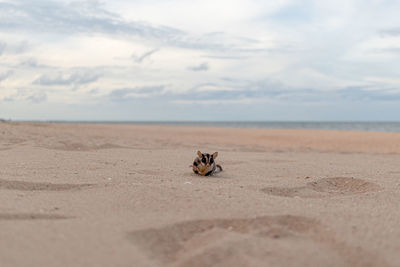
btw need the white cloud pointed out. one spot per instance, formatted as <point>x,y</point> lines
<point>5,75</point>
<point>74,79</point>
<point>201,67</point>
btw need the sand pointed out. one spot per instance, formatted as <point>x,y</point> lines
<point>123,195</point>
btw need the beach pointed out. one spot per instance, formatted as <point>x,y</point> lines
<point>75,194</point>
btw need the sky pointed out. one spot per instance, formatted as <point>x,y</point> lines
<point>205,60</point>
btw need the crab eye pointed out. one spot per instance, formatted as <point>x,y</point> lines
<point>203,160</point>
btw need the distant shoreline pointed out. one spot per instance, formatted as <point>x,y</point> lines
<point>312,125</point>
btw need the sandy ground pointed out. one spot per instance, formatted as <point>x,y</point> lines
<point>123,195</point>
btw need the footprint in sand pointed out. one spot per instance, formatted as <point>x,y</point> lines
<point>326,187</point>
<point>34,186</point>
<point>262,241</point>
<point>205,242</point>
<point>30,216</point>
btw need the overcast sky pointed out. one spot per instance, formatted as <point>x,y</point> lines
<point>199,60</point>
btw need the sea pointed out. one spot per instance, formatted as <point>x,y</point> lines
<point>323,125</point>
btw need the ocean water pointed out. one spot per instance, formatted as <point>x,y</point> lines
<point>352,126</point>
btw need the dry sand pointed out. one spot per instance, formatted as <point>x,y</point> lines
<point>123,195</point>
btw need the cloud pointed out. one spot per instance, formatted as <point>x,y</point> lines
<point>231,90</point>
<point>140,58</point>
<point>238,94</point>
<point>297,12</point>
<point>24,94</point>
<point>90,17</point>
<point>389,50</point>
<point>126,94</point>
<point>13,48</point>
<point>206,92</point>
<point>61,79</point>
<point>223,57</point>
<point>367,94</point>
<point>31,63</point>
<point>390,32</point>
<point>2,48</point>
<point>82,17</point>
<point>94,91</point>
<point>75,17</point>
<point>5,75</point>
<point>37,97</point>
<point>202,67</point>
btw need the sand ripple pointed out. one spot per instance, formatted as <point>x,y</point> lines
<point>30,216</point>
<point>35,186</point>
